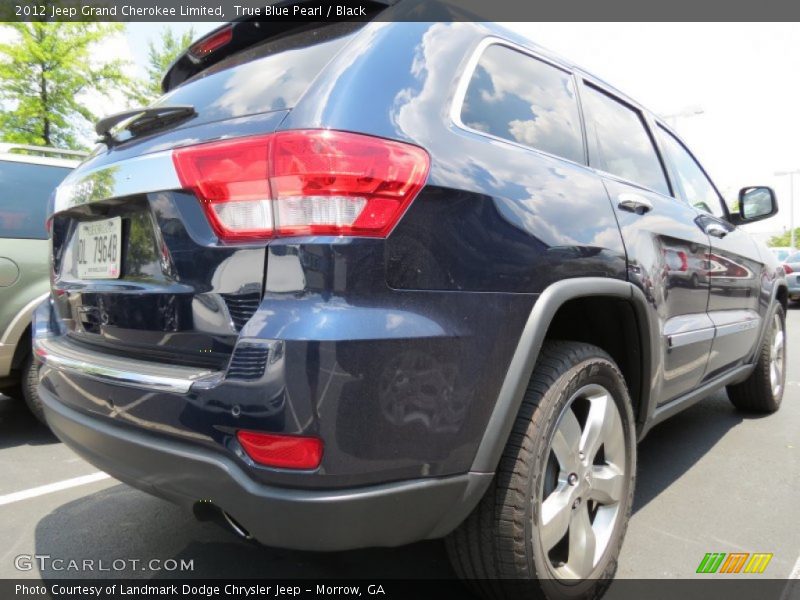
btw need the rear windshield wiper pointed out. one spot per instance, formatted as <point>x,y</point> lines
<point>141,120</point>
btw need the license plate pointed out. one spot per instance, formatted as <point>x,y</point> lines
<point>99,249</point>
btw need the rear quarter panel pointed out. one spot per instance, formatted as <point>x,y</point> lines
<point>495,216</point>
<point>17,299</point>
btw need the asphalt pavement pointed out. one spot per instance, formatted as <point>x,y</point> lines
<point>710,479</point>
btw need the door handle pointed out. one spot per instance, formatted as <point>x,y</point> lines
<point>634,203</point>
<point>717,230</point>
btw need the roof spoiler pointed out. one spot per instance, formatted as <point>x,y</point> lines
<point>245,32</point>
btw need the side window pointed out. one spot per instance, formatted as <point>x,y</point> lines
<point>623,144</point>
<point>697,189</point>
<point>516,97</point>
<point>24,191</point>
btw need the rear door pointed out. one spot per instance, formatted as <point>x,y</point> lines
<point>666,250</point>
<point>735,264</point>
<point>24,190</point>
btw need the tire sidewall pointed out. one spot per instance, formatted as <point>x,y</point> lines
<point>601,371</point>
<point>30,392</point>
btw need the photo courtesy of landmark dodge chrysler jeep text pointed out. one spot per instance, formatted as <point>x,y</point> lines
<point>363,284</point>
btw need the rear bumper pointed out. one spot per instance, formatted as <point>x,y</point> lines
<point>384,515</point>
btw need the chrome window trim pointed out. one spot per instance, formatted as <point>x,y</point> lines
<point>140,175</point>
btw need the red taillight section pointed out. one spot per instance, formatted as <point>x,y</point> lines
<point>212,43</point>
<point>311,182</point>
<point>787,269</point>
<point>230,179</point>
<point>281,451</point>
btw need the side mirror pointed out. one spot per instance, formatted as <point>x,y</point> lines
<point>756,203</point>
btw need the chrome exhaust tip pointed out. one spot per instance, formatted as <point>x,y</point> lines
<point>204,510</point>
<point>237,528</point>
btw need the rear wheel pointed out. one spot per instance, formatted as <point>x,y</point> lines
<point>555,515</point>
<point>763,390</point>
<point>30,384</point>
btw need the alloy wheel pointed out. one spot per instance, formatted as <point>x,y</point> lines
<point>777,356</point>
<point>584,483</point>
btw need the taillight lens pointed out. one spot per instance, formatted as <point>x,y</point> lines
<point>310,182</point>
<point>281,451</point>
<point>787,269</point>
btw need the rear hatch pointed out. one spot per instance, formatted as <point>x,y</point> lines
<point>137,268</point>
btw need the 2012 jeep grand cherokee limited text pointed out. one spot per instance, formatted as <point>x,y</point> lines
<point>363,284</point>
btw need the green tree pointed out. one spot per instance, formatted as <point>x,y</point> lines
<point>160,55</point>
<point>44,71</point>
<point>784,239</point>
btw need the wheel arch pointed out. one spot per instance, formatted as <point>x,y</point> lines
<point>544,315</point>
<point>18,331</point>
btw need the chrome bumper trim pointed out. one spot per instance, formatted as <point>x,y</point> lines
<point>60,355</point>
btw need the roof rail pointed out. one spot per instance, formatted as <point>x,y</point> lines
<point>41,151</point>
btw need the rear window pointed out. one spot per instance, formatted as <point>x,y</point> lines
<point>24,191</point>
<point>525,100</point>
<point>269,76</point>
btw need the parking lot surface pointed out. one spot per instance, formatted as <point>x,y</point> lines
<point>710,479</point>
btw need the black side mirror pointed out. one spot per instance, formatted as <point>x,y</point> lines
<point>756,203</point>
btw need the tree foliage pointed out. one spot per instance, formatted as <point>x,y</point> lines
<point>784,239</point>
<point>160,55</point>
<point>43,73</point>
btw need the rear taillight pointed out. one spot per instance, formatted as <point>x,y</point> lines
<point>787,269</point>
<point>281,451</point>
<point>311,182</point>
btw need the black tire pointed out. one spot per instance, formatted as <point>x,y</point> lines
<point>30,384</point>
<point>756,393</point>
<point>497,549</point>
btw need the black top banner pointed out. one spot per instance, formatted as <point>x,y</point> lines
<point>398,10</point>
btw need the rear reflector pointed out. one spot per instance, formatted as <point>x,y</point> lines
<point>307,182</point>
<point>281,451</point>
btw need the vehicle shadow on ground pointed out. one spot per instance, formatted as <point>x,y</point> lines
<point>121,522</point>
<point>18,427</point>
<point>674,446</point>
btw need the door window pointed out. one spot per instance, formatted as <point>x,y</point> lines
<point>696,187</point>
<point>622,142</point>
<point>24,191</point>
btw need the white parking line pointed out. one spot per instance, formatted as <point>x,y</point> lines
<point>52,487</point>
<point>792,589</point>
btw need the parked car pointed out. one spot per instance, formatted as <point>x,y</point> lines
<point>28,176</point>
<point>781,252</point>
<point>363,284</point>
<point>791,266</point>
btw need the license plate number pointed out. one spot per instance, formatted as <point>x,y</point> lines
<point>99,245</point>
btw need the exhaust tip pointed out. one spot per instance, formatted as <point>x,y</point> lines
<point>205,510</point>
<point>237,528</point>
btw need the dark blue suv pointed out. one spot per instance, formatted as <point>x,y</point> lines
<point>367,283</point>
